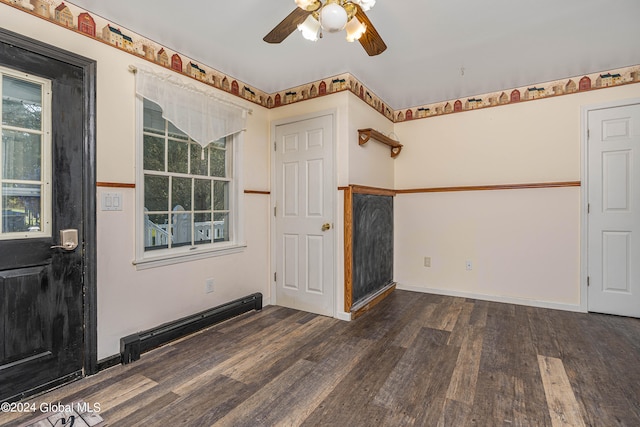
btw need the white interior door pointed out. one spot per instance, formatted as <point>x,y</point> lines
<point>304,215</point>
<point>614,210</point>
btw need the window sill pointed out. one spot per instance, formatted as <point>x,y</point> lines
<point>191,255</point>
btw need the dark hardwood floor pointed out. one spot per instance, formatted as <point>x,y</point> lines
<point>413,360</point>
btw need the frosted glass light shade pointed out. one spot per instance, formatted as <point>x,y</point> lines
<point>333,17</point>
<point>310,28</point>
<point>365,4</point>
<point>355,29</point>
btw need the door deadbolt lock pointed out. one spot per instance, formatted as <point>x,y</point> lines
<point>68,239</point>
<point>326,226</point>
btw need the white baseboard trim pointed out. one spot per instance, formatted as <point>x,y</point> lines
<point>341,315</point>
<point>493,298</point>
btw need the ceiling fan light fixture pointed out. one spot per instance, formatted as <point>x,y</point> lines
<point>305,4</point>
<point>310,28</point>
<point>355,29</point>
<point>315,17</point>
<point>333,17</point>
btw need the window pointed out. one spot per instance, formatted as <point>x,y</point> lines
<point>25,173</point>
<point>188,192</point>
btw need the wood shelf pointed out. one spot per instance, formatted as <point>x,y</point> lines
<point>365,134</point>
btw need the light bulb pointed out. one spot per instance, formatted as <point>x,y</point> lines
<point>333,17</point>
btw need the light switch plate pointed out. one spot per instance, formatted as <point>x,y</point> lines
<point>111,201</point>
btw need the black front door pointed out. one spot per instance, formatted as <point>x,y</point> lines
<point>43,189</point>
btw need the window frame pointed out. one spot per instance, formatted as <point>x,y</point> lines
<point>166,256</point>
<point>45,157</point>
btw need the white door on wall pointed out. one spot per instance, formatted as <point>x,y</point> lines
<point>304,234</point>
<point>613,155</point>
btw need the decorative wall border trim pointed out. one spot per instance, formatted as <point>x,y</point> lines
<point>82,22</point>
<point>577,84</point>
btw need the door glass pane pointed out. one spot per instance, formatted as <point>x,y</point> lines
<point>21,154</point>
<point>21,207</point>
<point>21,103</point>
<point>25,156</point>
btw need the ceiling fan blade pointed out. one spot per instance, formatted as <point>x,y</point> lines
<point>370,40</point>
<point>287,26</point>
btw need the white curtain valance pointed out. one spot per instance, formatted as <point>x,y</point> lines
<point>198,113</point>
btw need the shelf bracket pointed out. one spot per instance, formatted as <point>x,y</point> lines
<point>365,134</point>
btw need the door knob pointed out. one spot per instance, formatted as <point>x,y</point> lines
<point>326,226</point>
<point>68,240</point>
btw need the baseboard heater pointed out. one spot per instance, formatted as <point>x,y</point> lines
<point>132,346</point>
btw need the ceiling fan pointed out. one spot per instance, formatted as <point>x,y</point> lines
<point>313,17</point>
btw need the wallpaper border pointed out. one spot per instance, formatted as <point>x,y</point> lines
<point>76,19</point>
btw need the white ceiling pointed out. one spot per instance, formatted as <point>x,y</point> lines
<point>437,49</point>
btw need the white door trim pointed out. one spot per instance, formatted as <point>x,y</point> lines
<point>272,223</point>
<point>584,193</point>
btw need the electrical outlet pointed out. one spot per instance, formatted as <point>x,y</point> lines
<point>469,265</point>
<point>427,261</point>
<point>208,286</point>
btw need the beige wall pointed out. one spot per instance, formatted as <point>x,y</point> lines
<point>370,164</point>
<point>524,244</point>
<point>131,300</point>
<point>527,142</point>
